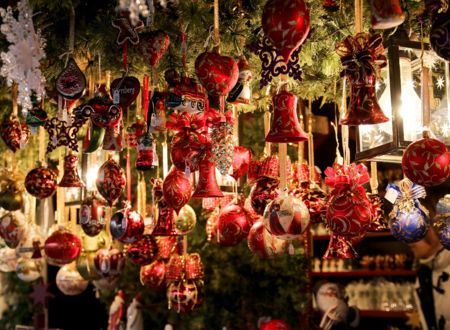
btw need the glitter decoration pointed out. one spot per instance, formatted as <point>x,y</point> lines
<point>223,142</point>
<point>26,49</point>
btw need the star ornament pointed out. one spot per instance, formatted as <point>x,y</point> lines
<point>40,294</point>
<point>440,82</point>
<point>127,31</point>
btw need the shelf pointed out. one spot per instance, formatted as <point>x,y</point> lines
<point>384,314</point>
<point>326,237</point>
<point>366,273</point>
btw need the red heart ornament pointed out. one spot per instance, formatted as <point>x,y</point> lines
<point>125,90</point>
<point>241,161</point>
<point>217,73</point>
<point>286,23</point>
<point>14,134</point>
<point>153,45</point>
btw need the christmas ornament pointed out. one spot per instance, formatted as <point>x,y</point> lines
<point>28,270</point>
<point>262,243</point>
<point>187,95</point>
<point>211,225</point>
<point>41,182</point>
<point>331,5</point>
<point>127,30</point>
<point>275,325</point>
<point>35,118</point>
<point>286,217</point>
<point>110,181</point>
<point>186,266</point>
<point>62,247</point>
<point>69,281</point>
<point>285,127</point>
<point>20,64</point>
<point>113,138</point>
<point>12,228</point>
<point>222,141</point>
<point>269,167</point>
<point>109,262</point>
<point>11,190</point>
<point>207,183</point>
<point>409,219</point>
<point>153,45</point>
<point>361,57</point>
<point>14,134</point>
<point>166,245</point>
<point>262,193</point>
<point>126,225</point>
<point>143,251</point>
<point>439,35</point>
<point>442,221</point>
<point>86,266</point>
<point>135,8</point>
<point>177,189</point>
<point>105,115</point>
<point>426,162</point>
<point>242,91</point>
<point>183,296</point>
<point>152,276</point>
<point>93,138</point>
<point>71,82</point>
<point>116,311</point>
<point>253,171</point>
<point>348,213</point>
<point>241,162</point>
<point>186,220</point>
<point>70,178</point>
<point>386,14</point>
<point>8,260</point>
<point>135,132</point>
<point>135,319</point>
<point>125,90</point>
<point>165,216</point>
<point>157,114</point>
<point>92,214</point>
<point>147,157</point>
<point>233,224</point>
<point>217,73</point>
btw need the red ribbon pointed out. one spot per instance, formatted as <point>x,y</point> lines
<point>125,55</point>
<point>128,175</point>
<point>346,177</point>
<point>145,95</point>
<point>215,117</point>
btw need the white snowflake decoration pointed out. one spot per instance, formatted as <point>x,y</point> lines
<point>22,61</point>
<point>136,8</point>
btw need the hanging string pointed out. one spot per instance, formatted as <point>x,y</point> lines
<point>310,143</point>
<point>373,177</point>
<point>267,145</point>
<point>125,56</point>
<point>425,88</point>
<point>344,128</point>
<point>216,23</point>
<point>165,156</point>
<point>60,200</point>
<point>282,148</point>
<point>146,96</point>
<point>301,146</point>
<point>183,37</point>
<point>99,78</point>
<point>15,107</point>
<point>128,160</point>
<point>358,16</point>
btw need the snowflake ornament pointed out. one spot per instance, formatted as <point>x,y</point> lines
<point>22,60</point>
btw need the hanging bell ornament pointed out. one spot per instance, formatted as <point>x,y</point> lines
<point>207,183</point>
<point>386,14</point>
<point>242,91</point>
<point>285,127</point>
<point>147,158</point>
<point>71,179</point>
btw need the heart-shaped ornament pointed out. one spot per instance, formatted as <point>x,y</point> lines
<point>153,45</point>
<point>125,90</point>
<point>14,134</point>
<point>217,73</point>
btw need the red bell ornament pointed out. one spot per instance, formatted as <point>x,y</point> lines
<point>110,181</point>
<point>126,226</point>
<point>62,247</point>
<point>264,244</point>
<point>233,224</point>
<point>286,23</point>
<point>217,73</point>
<point>41,182</point>
<point>426,162</point>
<point>71,178</point>
<point>153,276</point>
<point>386,14</point>
<point>92,215</point>
<point>207,183</point>
<point>176,189</point>
<point>109,262</point>
<point>285,127</point>
<point>143,251</point>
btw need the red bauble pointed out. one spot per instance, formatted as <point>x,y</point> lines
<point>153,45</point>
<point>426,162</point>
<point>187,266</point>
<point>143,251</point>
<point>183,154</point>
<point>126,226</point>
<point>62,247</point>
<point>41,182</point>
<point>275,325</point>
<point>286,23</point>
<point>125,90</point>
<point>233,224</point>
<point>217,73</point>
<point>12,228</point>
<point>183,295</point>
<point>109,262</point>
<point>264,244</point>
<point>152,276</point>
<point>92,215</point>
<point>110,181</point>
<point>241,161</point>
<point>286,217</point>
<point>177,189</point>
<point>262,193</point>
<point>14,134</point>
<point>166,245</point>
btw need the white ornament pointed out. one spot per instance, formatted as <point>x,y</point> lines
<point>22,60</point>
<point>136,8</point>
<point>135,320</point>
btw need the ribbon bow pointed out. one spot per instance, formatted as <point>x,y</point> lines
<point>215,117</point>
<point>361,55</point>
<point>346,176</point>
<point>184,122</point>
<point>408,197</point>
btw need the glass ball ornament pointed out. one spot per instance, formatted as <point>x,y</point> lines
<point>186,220</point>
<point>69,281</point>
<point>442,221</point>
<point>183,296</point>
<point>233,224</point>
<point>410,226</point>
<point>126,226</point>
<point>41,182</point>
<point>143,251</point>
<point>153,275</point>
<point>62,247</point>
<point>109,262</point>
<point>92,215</point>
<point>263,244</point>
<point>12,228</point>
<point>28,270</point>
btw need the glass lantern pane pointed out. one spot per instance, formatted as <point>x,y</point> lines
<point>372,136</point>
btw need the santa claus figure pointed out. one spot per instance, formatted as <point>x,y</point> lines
<point>135,321</point>
<point>116,312</point>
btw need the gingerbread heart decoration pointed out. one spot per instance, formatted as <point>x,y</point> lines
<point>125,90</point>
<point>217,73</point>
<point>14,134</point>
<point>153,45</point>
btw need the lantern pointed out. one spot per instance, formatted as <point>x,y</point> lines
<point>399,95</point>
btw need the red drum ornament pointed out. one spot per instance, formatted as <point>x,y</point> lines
<point>241,162</point>
<point>426,162</point>
<point>41,182</point>
<point>233,224</point>
<point>285,127</point>
<point>386,14</point>
<point>207,183</point>
<point>126,226</point>
<point>264,244</point>
<point>92,215</point>
<point>14,134</point>
<point>177,189</point>
<point>286,217</point>
<point>153,276</point>
<point>153,45</point>
<point>217,73</point>
<point>286,23</point>
<point>110,181</point>
<point>109,262</point>
<point>147,158</point>
<point>143,251</point>
<point>62,247</point>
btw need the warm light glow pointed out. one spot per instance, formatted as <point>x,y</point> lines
<point>91,176</point>
<point>165,159</point>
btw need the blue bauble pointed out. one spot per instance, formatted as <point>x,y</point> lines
<point>410,227</point>
<point>443,221</point>
<point>444,234</point>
